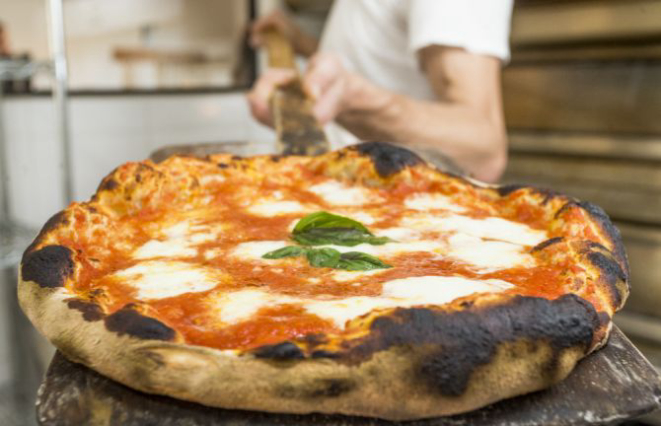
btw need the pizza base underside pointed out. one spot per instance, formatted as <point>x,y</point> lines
<point>159,282</point>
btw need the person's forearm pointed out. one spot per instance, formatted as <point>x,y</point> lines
<point>474,140</point>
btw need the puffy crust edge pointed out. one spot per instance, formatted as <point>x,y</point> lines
<point>446,372</point>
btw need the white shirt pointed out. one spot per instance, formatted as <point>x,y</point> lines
<point>379,39</point>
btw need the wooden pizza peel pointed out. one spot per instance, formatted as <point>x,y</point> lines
<point>298,131</point>
<point>608,387</point>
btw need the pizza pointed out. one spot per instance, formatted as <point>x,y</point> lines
<point>363,282</point>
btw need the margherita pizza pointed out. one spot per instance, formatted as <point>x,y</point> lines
<point>361,282</point>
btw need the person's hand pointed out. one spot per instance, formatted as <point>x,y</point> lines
<point>260,95</point>
<point>329,84</point>
<point>304,44</point>
<point>326,81</point>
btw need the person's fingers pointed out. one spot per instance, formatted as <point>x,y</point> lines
<point>260,95</point>
<point>275,20</point>
<point>329,104</point>
<point>324,81</point>
<point>322,72</point>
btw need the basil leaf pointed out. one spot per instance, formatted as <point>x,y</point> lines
<point>337,236</point>
<point>328,220</point>
<point>323,258</point>
<point>358,261</point>
<point>289,251</point>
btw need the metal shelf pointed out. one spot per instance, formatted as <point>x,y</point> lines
<point>13,241</point>
<point>17,69</point>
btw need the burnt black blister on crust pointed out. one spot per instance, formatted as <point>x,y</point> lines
<point>90,310</point>
<point>49,266</point>
<point>388,159</point>
<point>506,190</point>
<point>546,243</point>
<point>548,194</point>
<point>107,184</point>
<point>467,340</point>
<point>599,215</point>
<point>131,322</point>
<point>280,352</point>
<point>58,219</point>
<point>321,388</point>
<point>611,273</point>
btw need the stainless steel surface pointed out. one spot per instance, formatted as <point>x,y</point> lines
<point>59,58</point>
<point>13,241</point>
<point>4,173</point>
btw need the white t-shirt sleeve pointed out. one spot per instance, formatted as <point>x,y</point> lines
<point>479,26</point>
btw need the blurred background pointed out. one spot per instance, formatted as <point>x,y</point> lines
<point>94,83</point>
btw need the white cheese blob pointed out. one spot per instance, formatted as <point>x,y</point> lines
<point>340,311</point>
<point>344,276</point>
<point>241,305</point>
<point>436,290</point>
<point>167,248</point>
<point>362,217</point>
<point>160,279</point>
<point>254,250</point>
<point>338,194</point>
<point>488,256</point>
<point>406,292</point>
<point>494,228</point>
<point>179,240</point>
<point>398,234</point>
<point>207,179</point>
<point>393,249</point>
<point>275,208</point>
<point>426,201</point>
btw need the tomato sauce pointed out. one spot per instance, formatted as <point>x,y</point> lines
<point>222,207</point>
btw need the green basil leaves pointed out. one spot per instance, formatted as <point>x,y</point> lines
<point>330,258</point>
<point>358,261</point>
<point>324,228</point>
<point>289,251</point>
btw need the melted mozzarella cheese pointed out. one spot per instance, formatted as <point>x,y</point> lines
<point>488,256</point>
<point>275,208</point>
<point>399,234</point>
<point>207,179</point>
<point>426,201</point>
<point>435,290</point>
<point>344,276</point>
<point>362,217</point>
<point>168,248</point>
<point>254,250</point>
<point>494,228</point>
<point>394,248</point>
<point>338,194</point>
<point>176,241</point>
<point>406,292</point>
<point>159,280</point>
<point>342,310</point>
<point>241,305</point>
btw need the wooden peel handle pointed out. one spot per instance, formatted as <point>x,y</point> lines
<point>280,50</point>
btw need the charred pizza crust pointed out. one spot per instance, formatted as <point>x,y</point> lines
<point>445,360</point>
